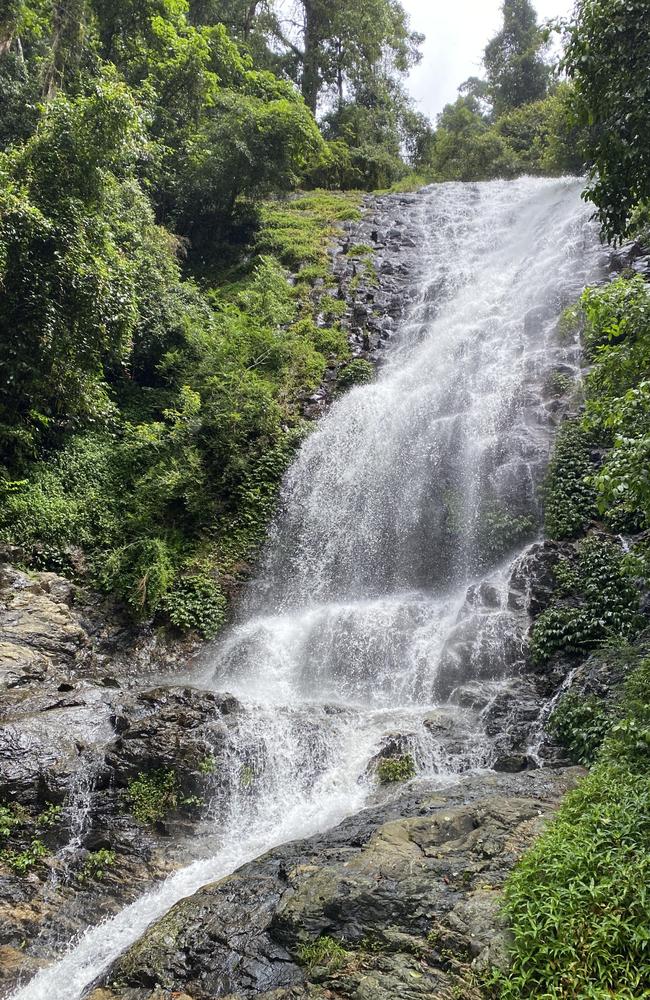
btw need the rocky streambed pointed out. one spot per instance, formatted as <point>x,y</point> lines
<point>402,900</point>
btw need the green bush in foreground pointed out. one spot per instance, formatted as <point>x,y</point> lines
<point>579,901</point>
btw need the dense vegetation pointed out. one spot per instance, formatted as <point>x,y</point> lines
<point>153,349</point>
<point>578,903</point>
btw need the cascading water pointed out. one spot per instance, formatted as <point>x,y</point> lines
<point>387,610</point>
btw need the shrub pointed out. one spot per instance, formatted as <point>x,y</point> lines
<point>394,769</point>
<point>10,820</point>
<point>356,372</point>
<point>96,865</point>
<point>196,602</point>
<point>580,725</point>
<point>570,498</point>
<point>140,572</point>
<point>579,901</point>
<point>152,795</point>
<point>605,603</point>
<point>22,862</point>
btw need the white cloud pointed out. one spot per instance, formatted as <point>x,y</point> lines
<point>457,33</point>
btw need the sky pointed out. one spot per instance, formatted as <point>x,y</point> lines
<point>457,32</point>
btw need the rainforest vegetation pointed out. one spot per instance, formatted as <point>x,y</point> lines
<point>166,167</point>
<point>171,176</point>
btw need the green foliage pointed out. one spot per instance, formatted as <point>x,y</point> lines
<point>142,420</point>
<point>580,725</point>
<point>601,603</point>
<point>617,334</point>
<point>297,232</point>
<point>394,769</point>
<point>196,602</point>
<point>543,135</point>
<point>141,573</point>
<point>10,820</point>
<point>536,138</point>
<point>22,862</point>
<point>578,902</point>
<point>570,498</point>
<point>325,952</point>
<point>153,795</point>
<point>355,372</point>
<point>208,765</point>
<point>70,304</point>
<point>607,41</point>
<point>177,490</point>
<point>49,817</point>
<point>466,147</point>
<point>515,68</point>
<point>501,531</point>
<point>97,864</point>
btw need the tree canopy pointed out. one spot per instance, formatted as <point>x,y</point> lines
<point>607,58</point>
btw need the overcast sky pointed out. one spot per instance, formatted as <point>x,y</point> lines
<point>457,31</point>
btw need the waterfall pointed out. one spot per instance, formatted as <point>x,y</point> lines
<point>388,607</point>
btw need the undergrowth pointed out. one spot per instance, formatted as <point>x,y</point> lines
<point>165,500</point>
<point>579,901</point>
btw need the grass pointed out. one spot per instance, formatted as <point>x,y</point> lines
<point>579,902</point>
<point>325,952</point>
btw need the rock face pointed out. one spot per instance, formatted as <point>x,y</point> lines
<point>52,631</point>
<point>67,761</point>
<point>402,900</point>
<point>373,264</point>
<point>40,634</point>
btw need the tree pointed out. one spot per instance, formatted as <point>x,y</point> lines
<point>72,234</point>
<point>239,16</point>
<point>68,23</point>
<point>513,59</point>
<point>607,57</point>
<point>335,45</point>
<point>466,148</point>
<point>10,12</point>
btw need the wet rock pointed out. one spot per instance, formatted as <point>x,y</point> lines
<point>79,751</point>
<point>512,763</point>
<point>532,583</point>
<point>411,891</point>
<point>39,632</point>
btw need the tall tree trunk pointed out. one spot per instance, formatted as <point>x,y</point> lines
<point>67,38</point>
<point>311,62</point>
<point>339,73</point>
<point>8,24</point>
<point>250,19</point>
